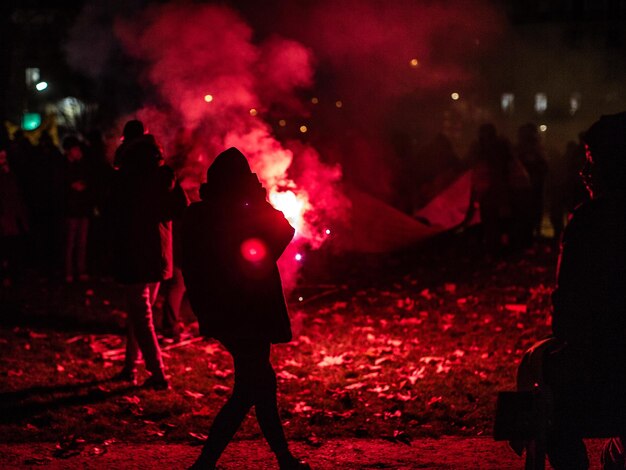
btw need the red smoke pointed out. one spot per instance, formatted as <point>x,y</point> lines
<point>190,51</point>
<point>367,47</point>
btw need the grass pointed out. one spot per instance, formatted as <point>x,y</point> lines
<point>401,348</point>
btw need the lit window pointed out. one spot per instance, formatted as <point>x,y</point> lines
<point>32,76</point>
<point>507,102</point>
<point>541,102</point>
<point>574,103</point>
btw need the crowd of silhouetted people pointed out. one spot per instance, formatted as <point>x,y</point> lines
<point>52,205</point>
<point>515,185</point>
<point>70,213</point>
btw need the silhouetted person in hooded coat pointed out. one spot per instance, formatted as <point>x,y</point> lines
<point>232,239</point>
<point>584,363</point>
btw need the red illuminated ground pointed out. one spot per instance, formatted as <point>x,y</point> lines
<point>402,348</point>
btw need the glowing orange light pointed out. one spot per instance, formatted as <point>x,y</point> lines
<point>253,250</point>
<point>253,112</point>
<point>282,123</point>
<point>455,96</point>
<point>303,129</point>
<point>290,205</point>
<point>315,100</point>
<point>339,103</point>
<point>414,62</point>
<point>208,98</point>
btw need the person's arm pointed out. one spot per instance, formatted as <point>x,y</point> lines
<point>278,232</point>
<point>573,299</point>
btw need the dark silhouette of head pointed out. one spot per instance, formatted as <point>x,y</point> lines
<point>133,129</point>
<point>229,166</point>
<point>142,154</point>
<point>229,175</point>
<point>605,144</point>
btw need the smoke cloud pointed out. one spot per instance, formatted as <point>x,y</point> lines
<point>213,77</point>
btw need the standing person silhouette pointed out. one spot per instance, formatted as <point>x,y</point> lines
<point>583,365</point>
<point>144,200</point>
<point>232,239</point>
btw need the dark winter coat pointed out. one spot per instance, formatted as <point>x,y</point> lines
<point>590,298</point>
<point>232,239</point>
<point>144,200</point>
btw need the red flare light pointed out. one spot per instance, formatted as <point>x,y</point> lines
<point>292,206</point>
<point>253,250</point>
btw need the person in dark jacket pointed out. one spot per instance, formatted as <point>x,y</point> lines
<point>532,155</point>
<point>78,208</point>
<point>583,364</point>
<point>133,130</point>
<point>500,185</point>
<point>13,221</point>
<point>145,198</point>
<point>232,239</point>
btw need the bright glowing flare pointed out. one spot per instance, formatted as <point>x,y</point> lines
<point>290,205</point>
<point>253,250</point>
<point>208,98</point>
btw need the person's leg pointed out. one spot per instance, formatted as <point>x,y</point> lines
<point>81,246</point>
<point>231,415</point>
<point>266,408</point>
<point>173,298</point>
<point>70,244</point>
<point>132,352</point>
<point>265,403</point>
<point>140,299</point>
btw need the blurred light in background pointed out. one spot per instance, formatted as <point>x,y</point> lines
<point>541,102</point>
<point>574,103</point>
<point>507,102</point>
<point>31,121</point>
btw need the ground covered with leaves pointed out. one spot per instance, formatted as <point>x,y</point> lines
<point>403,347</point>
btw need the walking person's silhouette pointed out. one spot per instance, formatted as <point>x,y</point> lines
<point>232,239</point>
